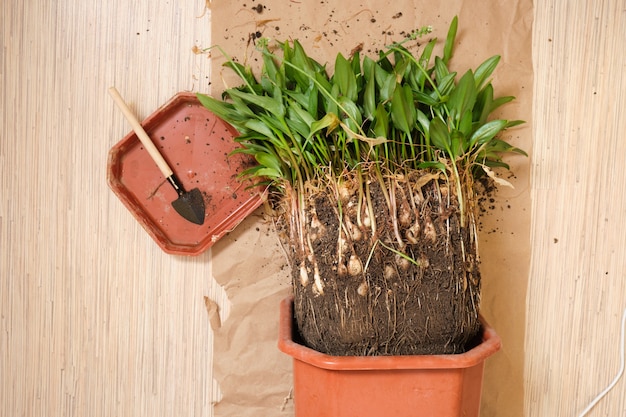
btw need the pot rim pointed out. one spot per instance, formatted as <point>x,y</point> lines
<point>490,344</point>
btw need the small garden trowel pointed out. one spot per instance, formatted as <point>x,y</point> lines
<point>189,204</point>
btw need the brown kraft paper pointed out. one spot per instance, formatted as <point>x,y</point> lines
<point>254,377</point>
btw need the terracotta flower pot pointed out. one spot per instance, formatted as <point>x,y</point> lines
<point>399,386</point>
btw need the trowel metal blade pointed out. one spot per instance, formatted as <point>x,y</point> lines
<point>190,205</point>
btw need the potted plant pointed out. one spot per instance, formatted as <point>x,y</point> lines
<point>374,171</point>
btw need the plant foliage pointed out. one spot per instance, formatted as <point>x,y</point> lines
<point>388,115</point>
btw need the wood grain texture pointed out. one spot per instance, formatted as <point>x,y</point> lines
<point>577,288</point>
<point>96,320</point>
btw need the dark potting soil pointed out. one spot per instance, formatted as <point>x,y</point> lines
<point>394,306</point>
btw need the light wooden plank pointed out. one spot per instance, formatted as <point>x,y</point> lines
<point>95,318</point>
<point>577,288</point>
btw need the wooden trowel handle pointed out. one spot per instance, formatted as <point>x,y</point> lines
<point>141,133</point>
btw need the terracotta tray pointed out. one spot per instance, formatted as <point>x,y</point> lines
<point>196,144</point>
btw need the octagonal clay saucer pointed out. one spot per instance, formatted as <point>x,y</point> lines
<point>196,144</point>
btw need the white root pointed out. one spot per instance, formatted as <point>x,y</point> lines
<point>394,217</point>
<point>429,231</point>
<point>367,221</point>
<point>343,192</point>
<point>405,209</point>
<point>412,233</point>
<point>342,246</point>
<point>353,230</point>
<point>404,217</point>
<point>304,275</point>
<point>315,221</point>
<point>403,263</point>
<point>363,288</point>
<point>317,229</point>
<point>390,272</point>
<point>355,267</point>
<point>318,288</point>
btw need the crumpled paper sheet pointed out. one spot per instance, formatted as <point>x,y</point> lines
<point>252,375</point>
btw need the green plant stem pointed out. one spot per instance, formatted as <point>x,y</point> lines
<point>401,254</point>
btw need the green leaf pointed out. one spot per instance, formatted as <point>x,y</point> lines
<point>270,104</point>
<point>402,67</point>
<point>350,113</point>
<point>449,45</point>
<point>355,63</point>
<point>512,123</point>
<point>369,99</point>
<point>222,109</point>
<point>493,163</point>
<point>216,106</point>
<point>247,147</point>
<point>499,102</point>
<point>330,122</point>
<point>485,104</point>
<point>268,172</point>
<point>245,73</point>
<point>260,127</point>
<point>403,109</point>
<point>439,134</point>
<point>465,124</point>
<point>369,96</point>
<point>369,67</point>
<point>386,83</point>
<point>383,61</point>
<point>270,69</point>
<point>330,100</point>
<point>487,132</point>
<point>424,59</point>
<point>311,159</point>
<point>241,108</point>
<point>432,165</point>
<point>424,62</point>
<point>303,63</point>
<point>422,121</point>
<point>457,140</point>
<point>269,161</point>
<point>381,122</point>
<point>462,98</point>
<point>324,84</point>
<point>306,117</point>
<point>446,84</point>
<point>299,121</point>
<point>441,70</point>
<point>298,98</point>
<point>497,146</point>
<point>485,70</point>
<point>345,78</point>
<point>313,100</point>
<point>425,99</point>
<point>482,107</point>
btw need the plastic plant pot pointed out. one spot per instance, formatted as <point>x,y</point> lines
<point>399,386</point>
<point>196,144</point>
